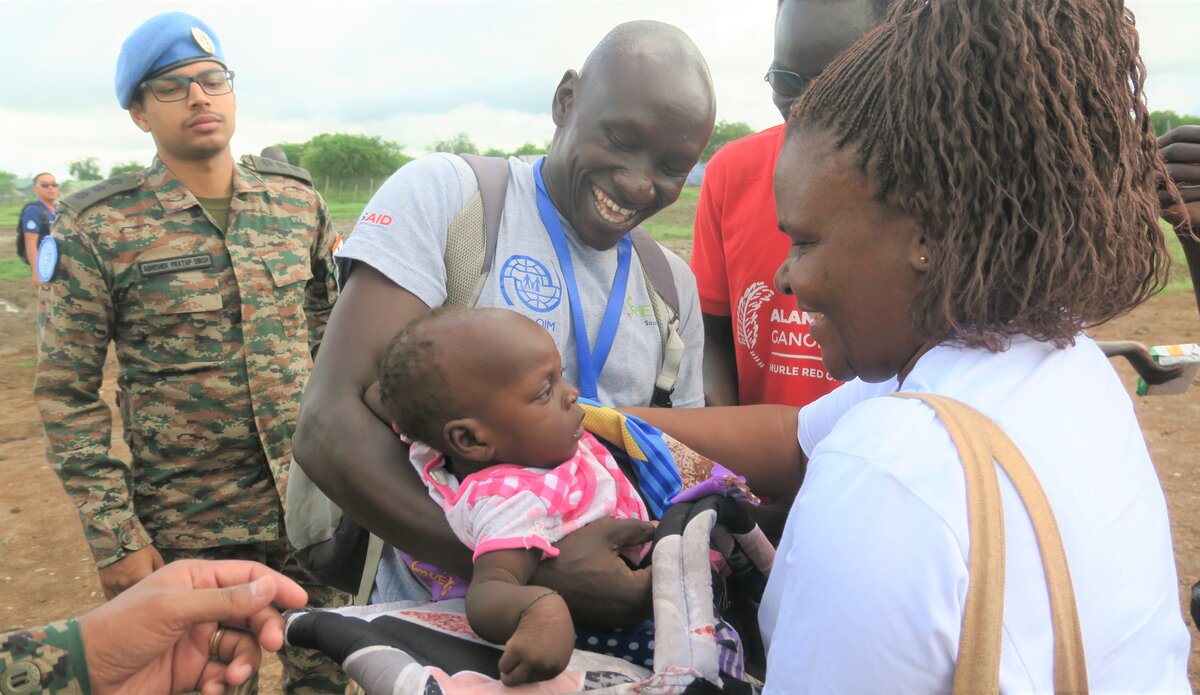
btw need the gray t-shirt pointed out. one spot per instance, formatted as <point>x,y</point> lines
<point>402,234</point>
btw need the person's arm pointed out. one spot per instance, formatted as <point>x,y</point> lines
<point>345,449</point>
<point>77,328</point>
<point>1191,251</point>
<point>720,362</point>
<point>532,622</point>
<point>31,250</point>
<point>31,225</point>
<point>1180,149</point>
<point>321,291</point>
<point>756,441</point>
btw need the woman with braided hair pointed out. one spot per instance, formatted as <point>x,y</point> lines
<point>967,190</point>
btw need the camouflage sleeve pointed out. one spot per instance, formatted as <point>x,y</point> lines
<point>47,661</point>
<point>76,322</point>
<point>321,291</point>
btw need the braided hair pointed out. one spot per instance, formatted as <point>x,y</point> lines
<point>1017,134</point>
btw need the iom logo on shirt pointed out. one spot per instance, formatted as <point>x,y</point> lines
<point>529,281</point>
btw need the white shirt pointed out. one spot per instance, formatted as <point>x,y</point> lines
<point>867,590</point>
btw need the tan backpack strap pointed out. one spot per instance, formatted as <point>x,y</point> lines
<point>471,239</point>
<point>370,569</point>
<point>466,245</point>
<point>664,300</point>
<point>981,442</point>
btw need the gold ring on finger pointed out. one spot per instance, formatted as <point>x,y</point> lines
<point>214,644</point>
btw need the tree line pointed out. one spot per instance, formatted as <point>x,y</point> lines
<point>344,160</point>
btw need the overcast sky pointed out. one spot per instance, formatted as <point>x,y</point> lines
<point>411,72</point>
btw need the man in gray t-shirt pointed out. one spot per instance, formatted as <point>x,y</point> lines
<point>630,126</point>
<point>402,234</point>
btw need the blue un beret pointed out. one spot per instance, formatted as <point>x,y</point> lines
<point>160,44</point>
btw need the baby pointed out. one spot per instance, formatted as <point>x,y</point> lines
<point>498,439</point>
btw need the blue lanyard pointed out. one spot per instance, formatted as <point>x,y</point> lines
<point>591,363</point>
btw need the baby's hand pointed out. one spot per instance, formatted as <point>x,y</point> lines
<point>541,647</point>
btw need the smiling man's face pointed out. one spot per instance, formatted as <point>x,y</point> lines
<point>630,128</point>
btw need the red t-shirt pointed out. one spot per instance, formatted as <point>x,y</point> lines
<point>738,247</point>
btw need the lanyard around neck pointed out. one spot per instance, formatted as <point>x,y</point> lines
<point>591,362</point>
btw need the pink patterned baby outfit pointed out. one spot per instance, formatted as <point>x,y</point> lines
<point>508,506</point>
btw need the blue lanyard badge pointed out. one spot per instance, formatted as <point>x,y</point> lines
<point>591,363</point>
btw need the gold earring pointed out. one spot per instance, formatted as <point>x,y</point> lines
<point>924,259</point>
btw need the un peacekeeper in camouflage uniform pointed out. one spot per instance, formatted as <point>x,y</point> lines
<point>214,279</point>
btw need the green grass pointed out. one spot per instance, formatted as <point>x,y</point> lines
<point>1181,280</point>
<point>13,268</point>
<point>676,222</point>
<point>346,213</point>
<point>9,215</point>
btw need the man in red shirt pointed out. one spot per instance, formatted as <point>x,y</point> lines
<point>757,348</point>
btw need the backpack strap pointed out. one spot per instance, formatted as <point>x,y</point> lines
<point>981,445</point>
<point>664,298</point>
<point>471,239</point>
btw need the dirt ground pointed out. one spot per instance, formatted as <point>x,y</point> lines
<point>46,571</point>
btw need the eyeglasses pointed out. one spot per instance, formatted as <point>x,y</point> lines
<point>786,82</point>
<point>45,184</point>
<point>176,88</point>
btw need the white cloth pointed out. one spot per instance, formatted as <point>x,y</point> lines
<point>402,234</point>
<point>867,589</point>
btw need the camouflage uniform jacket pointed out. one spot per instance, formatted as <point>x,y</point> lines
<point>48,660</point>
<point>214,334</point>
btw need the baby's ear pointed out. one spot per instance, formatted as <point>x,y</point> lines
<point>466,439</point>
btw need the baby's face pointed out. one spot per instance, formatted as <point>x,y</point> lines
<point>535,419</point>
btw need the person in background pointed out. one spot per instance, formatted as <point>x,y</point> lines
<point>1180,149</point>
<point>213,279</point>
<point>37,218</point>
<point>757,348</point>
<point>275,153</point>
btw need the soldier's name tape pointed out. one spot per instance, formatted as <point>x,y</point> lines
<point>175,265</point>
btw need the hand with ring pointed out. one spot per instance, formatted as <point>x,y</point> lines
<point>192,625</point>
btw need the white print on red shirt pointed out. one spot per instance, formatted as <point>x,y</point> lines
<point>747,316</point>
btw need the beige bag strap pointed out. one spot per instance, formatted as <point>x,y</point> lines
<point>981,442</point>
